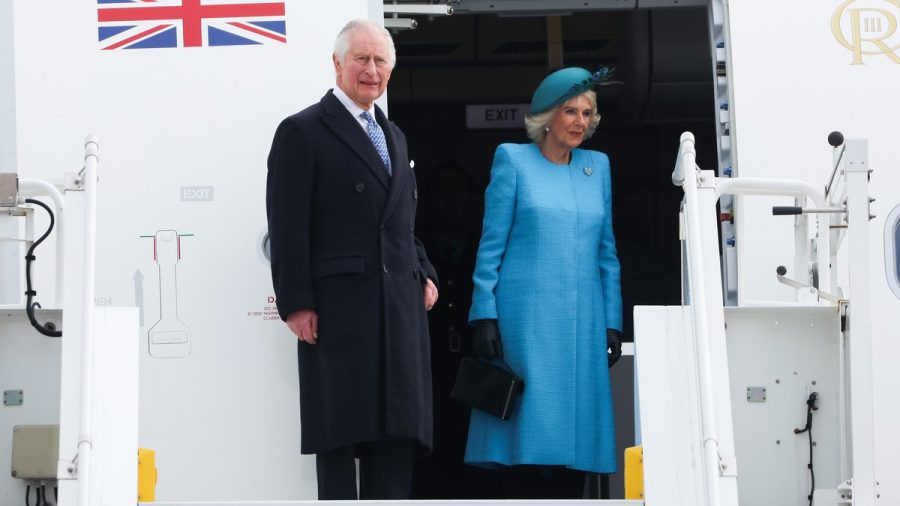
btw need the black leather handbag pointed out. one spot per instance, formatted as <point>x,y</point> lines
<point>487,387</point>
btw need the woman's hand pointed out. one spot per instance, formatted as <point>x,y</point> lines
<point>486,339</point>
<point>613,346</point>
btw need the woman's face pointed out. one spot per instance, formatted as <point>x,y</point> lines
<point>570,123</point>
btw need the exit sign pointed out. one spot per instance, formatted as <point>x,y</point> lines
<point>496,116</point>
<point>197,193</point>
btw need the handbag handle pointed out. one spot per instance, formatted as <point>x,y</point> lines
<point>502,363</point>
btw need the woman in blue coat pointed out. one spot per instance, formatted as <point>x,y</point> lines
<point>546,286</point>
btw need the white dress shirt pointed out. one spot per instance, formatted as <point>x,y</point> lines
<point>355,110</point>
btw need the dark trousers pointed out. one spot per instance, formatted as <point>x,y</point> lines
<point>543,482</point>
<point>385,471</point>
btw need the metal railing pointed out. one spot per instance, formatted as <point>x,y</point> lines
<point>686,175</point>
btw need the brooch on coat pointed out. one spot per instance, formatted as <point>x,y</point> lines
<point>588,171</point>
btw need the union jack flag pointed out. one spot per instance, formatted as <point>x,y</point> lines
<point>139,24</point>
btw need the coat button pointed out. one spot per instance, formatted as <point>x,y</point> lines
<point>360,187</point>
<point>384,268</point>
<point>416,194</point>
<point>382,230</point>
<point>416,274</point>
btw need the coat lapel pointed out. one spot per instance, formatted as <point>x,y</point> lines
<point>346,127</point>
<point>399,164</point>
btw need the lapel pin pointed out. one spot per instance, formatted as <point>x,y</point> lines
<point>588,171</point>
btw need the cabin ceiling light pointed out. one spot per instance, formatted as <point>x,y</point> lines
<point>424,9</point>
<point>400,23</point>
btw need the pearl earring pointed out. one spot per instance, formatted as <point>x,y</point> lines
<point>546,129</point>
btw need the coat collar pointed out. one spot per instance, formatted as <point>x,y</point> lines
<point>399,163</point>
<point>338,118</point>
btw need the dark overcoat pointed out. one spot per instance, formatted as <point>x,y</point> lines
<point>342,243</point>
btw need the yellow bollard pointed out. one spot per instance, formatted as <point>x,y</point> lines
<point>634,472</point>
<point>147,475</point>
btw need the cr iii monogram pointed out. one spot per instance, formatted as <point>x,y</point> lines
<point>868,28</point>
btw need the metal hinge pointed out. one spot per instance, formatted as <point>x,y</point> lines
<point>9,189</point>
<point>845,492</point>
<point>727,466</point>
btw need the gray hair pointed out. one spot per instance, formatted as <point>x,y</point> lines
<point>342,43</point>
<point>536,124</point>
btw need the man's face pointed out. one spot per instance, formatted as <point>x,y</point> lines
<point>366,69</point>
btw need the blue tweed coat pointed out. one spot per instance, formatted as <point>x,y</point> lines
<point>547,270</point>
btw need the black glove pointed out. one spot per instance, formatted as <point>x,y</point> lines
<point>614,345</point>
<point>486,340</point>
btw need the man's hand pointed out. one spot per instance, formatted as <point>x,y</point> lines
<point>431,294</point>
<point>305,325</point>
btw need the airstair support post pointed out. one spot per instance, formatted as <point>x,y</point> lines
<point>709,325</point>
<point>862,402</point>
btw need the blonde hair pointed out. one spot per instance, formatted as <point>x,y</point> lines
<point>536,124</point>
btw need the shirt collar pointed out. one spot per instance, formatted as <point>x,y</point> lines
<point>355,110</point>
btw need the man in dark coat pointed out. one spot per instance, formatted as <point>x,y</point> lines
<point>351,280</point>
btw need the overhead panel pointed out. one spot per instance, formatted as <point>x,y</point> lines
<point>439,41</point>
<point>520,40</point>
<point>593,40</point>
<point>539,7</point>
<point>680,82</point>
<point>588,39</point>
<point>655,4</point>
<point>662,54</point>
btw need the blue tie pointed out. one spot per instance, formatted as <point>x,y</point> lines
<point>376,135</point>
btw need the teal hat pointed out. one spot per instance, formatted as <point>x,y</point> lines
<point>563,85</point>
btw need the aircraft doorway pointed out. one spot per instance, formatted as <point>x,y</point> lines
<point>662,56</point>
